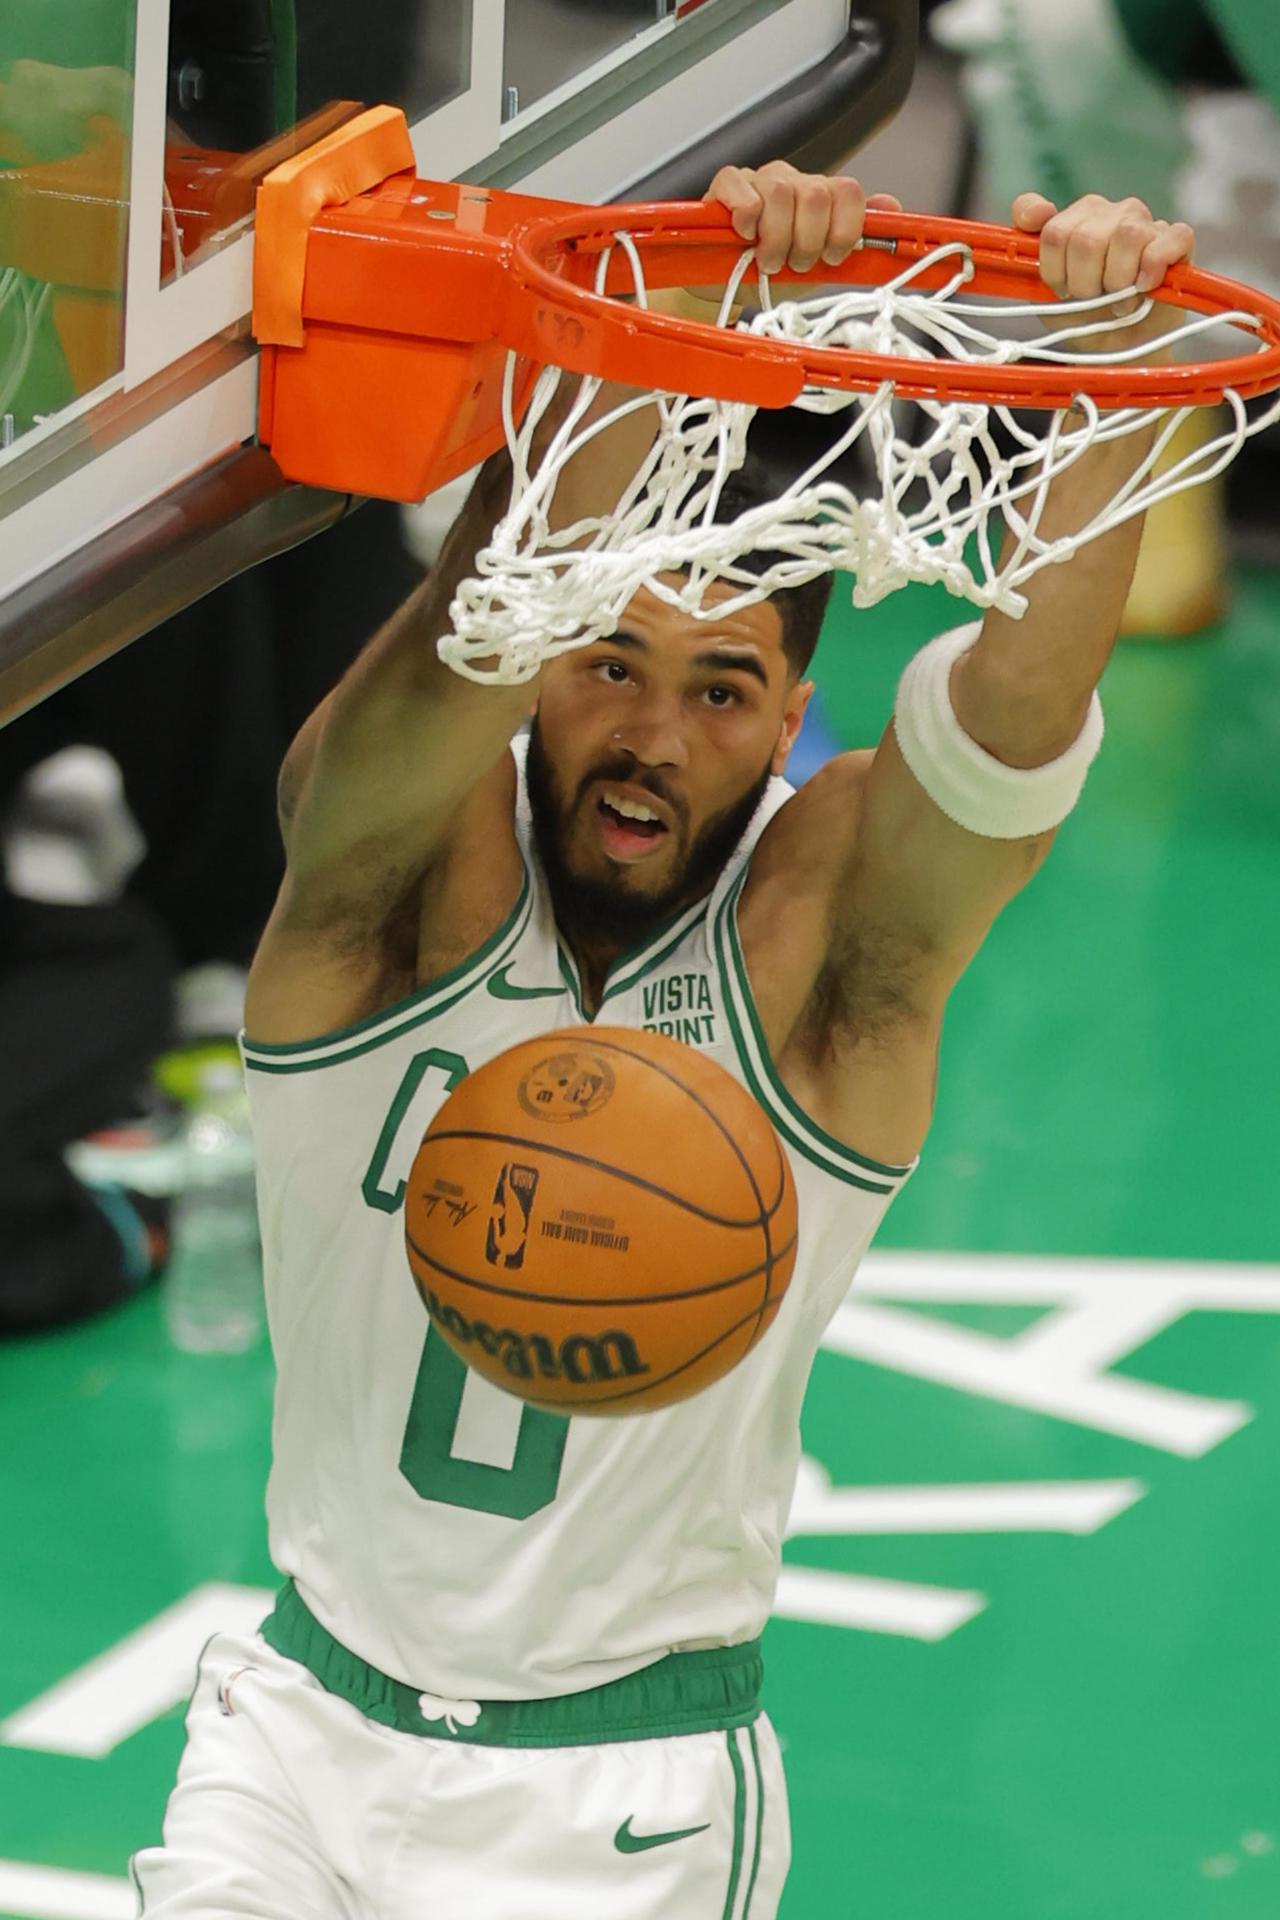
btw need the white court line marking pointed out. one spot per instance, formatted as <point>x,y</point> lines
<point>1214,1286</point>
<point>1024,1506</point>
<point>53,1893</point>
<point>1102,1311</point>
<point>124,1689</point>
<point>874,1605</point>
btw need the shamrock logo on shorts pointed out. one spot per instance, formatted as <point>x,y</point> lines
<point>454,1713</point>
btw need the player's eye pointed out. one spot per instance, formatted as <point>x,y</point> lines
<point>722,696</point>
<point>614,671</point>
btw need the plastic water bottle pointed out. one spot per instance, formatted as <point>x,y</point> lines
<point>213,1292</point>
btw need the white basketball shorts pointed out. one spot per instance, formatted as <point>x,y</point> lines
<point>292,1804</point>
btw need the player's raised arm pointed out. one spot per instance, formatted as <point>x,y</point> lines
<point>402,769</point>
<point>1024,691</point>
<point>994,731</point>
<point>369,794</point>
<point>378,772</point>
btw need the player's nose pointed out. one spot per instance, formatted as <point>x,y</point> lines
<point>654,731</point>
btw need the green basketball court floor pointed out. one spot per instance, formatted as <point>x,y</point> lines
<point>1025,1660</point>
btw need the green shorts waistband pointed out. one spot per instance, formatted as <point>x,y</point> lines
<point>702,1692</point>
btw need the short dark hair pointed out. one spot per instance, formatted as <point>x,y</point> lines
<point>800,609</point>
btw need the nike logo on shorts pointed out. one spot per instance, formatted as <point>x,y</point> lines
<point>501,988</point>
<point>627,1842</point>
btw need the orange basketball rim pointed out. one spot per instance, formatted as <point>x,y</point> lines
<point>387,306</point>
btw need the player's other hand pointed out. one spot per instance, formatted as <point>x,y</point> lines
<point>796,219</point>
<point>1098,246</point>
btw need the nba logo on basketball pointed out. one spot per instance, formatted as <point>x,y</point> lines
<point>509,1215</point>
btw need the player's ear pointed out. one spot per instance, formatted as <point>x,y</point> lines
<point>792,719</point>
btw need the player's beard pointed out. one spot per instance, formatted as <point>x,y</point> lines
<point>612,909</point>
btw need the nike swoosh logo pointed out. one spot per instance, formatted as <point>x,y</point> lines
<point>501,988</point>
<point>627,1842</point>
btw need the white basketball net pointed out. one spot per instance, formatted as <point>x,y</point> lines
<point>538,592</point>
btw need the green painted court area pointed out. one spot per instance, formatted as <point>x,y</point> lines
<point>1026,1658</point>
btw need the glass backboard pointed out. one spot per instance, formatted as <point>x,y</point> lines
<point>133,134</point>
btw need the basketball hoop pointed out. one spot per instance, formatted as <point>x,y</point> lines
<point>900,332</point>
<point>436,320</point>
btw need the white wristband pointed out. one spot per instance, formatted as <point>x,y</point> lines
<point>969,784</point>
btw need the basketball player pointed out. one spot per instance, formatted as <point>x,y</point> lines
<point>515,1672</point>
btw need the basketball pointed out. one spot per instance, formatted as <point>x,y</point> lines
<point>601,1221</point>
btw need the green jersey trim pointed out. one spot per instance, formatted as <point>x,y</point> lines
<point>569,974</point>
<point>704,1692</point>
<point>755,1857</point>
<point>424,1003</point>
<point>634,966</point>
<point>739,1825</point>
<point>795,1126</point>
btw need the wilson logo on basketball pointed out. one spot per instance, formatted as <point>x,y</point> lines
<point>566,1086</point>
<point>579,1358</point>
<point>508,1230</point>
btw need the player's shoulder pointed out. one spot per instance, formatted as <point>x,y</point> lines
<point>816,829</point>
<point>838,781</point>
<point>321,967</point>
<point>796,875</point>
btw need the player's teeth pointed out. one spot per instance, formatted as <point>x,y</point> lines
<point>630,809</point>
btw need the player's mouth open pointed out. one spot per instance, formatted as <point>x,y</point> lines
<point>629,829</point>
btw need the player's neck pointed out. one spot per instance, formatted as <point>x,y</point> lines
<point>596,950</point>
<point>593,970</point>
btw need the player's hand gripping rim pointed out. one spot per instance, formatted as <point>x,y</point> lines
<point>1097,246</point>
<point>796,219</point>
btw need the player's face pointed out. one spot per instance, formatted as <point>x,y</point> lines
<point>650,753</point>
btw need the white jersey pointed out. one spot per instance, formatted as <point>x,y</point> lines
<point>441,1530</point>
